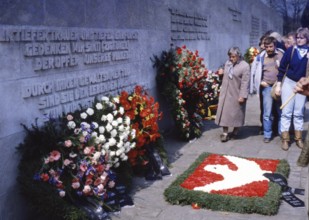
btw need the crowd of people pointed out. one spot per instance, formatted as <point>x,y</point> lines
<point>279,76</point>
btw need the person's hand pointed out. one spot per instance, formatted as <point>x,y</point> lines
<point>241,100</point>
<point>302,86</point>
<point>278,89</point>
<point>264,84</point>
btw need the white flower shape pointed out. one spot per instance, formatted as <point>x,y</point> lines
<point>71,125</point>
<point>101,138</point>
<point>112,153</point>
<point>96,155</point>
<point>115,112</point>
<point>85,133</point>
<point>114,133</point>
<point>110,117</point>
<point>133,144</point>
<point>124,158</point>
<point>121,128</point>
<point>105,99</point>
<point>85,125</point>
<point>114,123</point>
<point>103,152</point>
<point>127,120</point>
<point>112,141</point>
<point>116,165</point>
<point>106,146</point>
<point>94,134</point>
<point>119,120</point>
<point>101,129</point>
<point>116,99</point>
<point>99,106</point>
<point>83,115</point>
<point>103,118</point>
<point>95,125</point>
<point>121,110</point>
<point>120,144</point>
<point>108,127</point>
<point>90,111</point>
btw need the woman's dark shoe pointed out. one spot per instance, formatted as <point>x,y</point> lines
<point>224,137</point>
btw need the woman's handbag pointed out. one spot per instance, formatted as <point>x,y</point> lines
<point>274,86</point>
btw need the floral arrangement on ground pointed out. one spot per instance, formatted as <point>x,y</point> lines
<point>80,165</point>
<point>189,87</point>
<point>229,183</point>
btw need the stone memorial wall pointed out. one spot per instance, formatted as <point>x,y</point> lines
<point>58,55</point>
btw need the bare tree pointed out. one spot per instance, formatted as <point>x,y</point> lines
<point>290,10</point>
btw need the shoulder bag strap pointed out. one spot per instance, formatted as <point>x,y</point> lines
<point>307,68</point>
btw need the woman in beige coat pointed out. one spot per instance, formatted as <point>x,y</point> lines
<point>233,94</point>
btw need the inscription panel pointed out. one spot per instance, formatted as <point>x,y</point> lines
<point>64,48</point>
<point>63,69</point>
<point>188,26</point>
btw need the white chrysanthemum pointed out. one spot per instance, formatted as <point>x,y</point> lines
<point>106,146</point>
<point>133,133</point>
<point>112,141</point>
<point>114,133</point>
<point>114,123</point>
<point>97,141</point>
<point>101,138</point>
<point>120,128</point>
<point>96,155</point>
<point>115,112</point>
<point>103,118</point>
<point>118,152</point>
<point>83,115</point>
<point>116,165</point>
<point>121,110</point>
<point>103,152</point>
<point>94,134</point>
<point>85,133</point>
<point>124,158</point>
<point>90,111</point>
<point>104,99</point>
<point>112,153</point>
<point>116,99</point>
<point>120,144</point>
<point>127,144</point>
<point>121,137</point>
<point>101,129</point>
<point>108,127</point>
<point>85,125</point>
<point>119,120</point>
<point>71,125</point>
<point>110,117</point>
<point>127,120</point>
<point>116,159</point>
<point>133,144</point>
<point>95,125</point>
<point>99,106</point>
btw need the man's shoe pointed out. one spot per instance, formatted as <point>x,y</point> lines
<point>266,140</point>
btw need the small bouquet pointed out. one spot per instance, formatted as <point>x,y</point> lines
<point>250,54</point>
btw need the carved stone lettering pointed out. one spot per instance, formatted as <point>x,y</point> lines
<point>188,26</point>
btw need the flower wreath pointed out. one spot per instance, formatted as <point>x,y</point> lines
<point>188,86</point>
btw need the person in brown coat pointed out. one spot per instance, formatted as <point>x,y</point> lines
<point>233,94</point>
